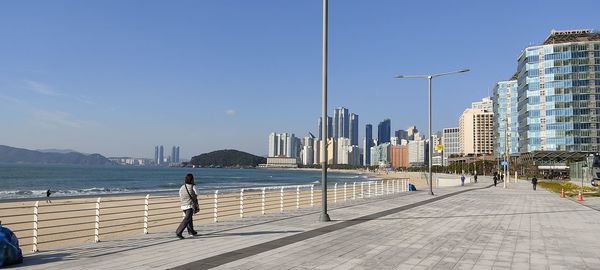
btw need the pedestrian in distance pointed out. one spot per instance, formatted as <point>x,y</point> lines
<point>462,180</point>
<point>495,179</point>
<point>48,193</point>
<point>534,182</point>
<point>475,177</point>
<point>188,194</point>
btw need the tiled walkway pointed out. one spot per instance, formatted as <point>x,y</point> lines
<point>482,228</point>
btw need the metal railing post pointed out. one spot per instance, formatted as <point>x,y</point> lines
<point>312,195</point>
<point>297,197</point>
<point>354,191</point>
<point>216,207</point>
<point>345,187</point>
<point>335,193</point>
<point>97,224</point>
<point>146,213</point>
<point>281,200</point>
<point>362,190</point>
<point>35,226</point>
<point>264,193</point>
<point>242,203</point>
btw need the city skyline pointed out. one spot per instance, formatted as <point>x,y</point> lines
<point>71,78</point>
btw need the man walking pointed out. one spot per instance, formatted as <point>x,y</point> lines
<point>48,193</point>
<point>462,180</point>
<point>495,179</point>
<point>534,182</point>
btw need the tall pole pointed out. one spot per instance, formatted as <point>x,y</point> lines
<point>430,140</point>
<point>505,151</point>
<point>324,215</point>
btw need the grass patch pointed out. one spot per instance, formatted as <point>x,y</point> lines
<point>570,188</point>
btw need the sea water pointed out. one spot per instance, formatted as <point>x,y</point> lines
<point>32,181</point>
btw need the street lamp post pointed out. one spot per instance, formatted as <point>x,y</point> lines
<point>429,79</point>
<point>505,163</point>
<point>324,215</point>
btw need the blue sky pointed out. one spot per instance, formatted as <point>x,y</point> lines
<point>118,77</point>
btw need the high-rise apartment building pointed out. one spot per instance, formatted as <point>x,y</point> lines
<point>341,123</point>
<point>161,155</point>
<point>156,151</point>
<point>401,134</point>
<point>411,131</point>
<point>506,117</point>
<point>284,145</point>
<point>418,153</point>
<point>485,104</point>
<point>175,154</point>
<point>384,130</point>
<point>476,132</point>
<point>347,154</point>
<point>317,151</point>
<point>367,144</point>
<point>399,156</point>
<point>329,127</point>
<point>380,154</point>
<point>307,153</point>
<point>353,129</point>
<point>451,142</point>
<point>559,101</point>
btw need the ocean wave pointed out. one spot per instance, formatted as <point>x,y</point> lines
<point>21,194</point>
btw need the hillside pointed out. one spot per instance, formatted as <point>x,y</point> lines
<point>19,155</point>
<point>227,158</point>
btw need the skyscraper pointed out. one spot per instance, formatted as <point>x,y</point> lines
<point>156,160</point>
<point>506,116</point>
<point>161,155</point>
<point>486,104</point>
<point>401,134</point>
<point>384,130</point>
<point>284,145</point>
<point>367,144</point>
<point>341,123</point>
<point>175,154</point>
<point>558,93</point>
<point>411,131</point>
<point>329,127</point>
<point>353,129</point>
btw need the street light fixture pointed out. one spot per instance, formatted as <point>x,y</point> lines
<point>429,78</point>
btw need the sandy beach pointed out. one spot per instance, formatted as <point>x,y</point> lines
<point>69,222</point>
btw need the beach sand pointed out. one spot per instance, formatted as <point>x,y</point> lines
<point>69,222</point>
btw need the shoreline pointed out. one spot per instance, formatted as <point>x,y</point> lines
<point>202,191</point>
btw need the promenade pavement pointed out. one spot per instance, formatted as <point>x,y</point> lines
<point>471,227</point>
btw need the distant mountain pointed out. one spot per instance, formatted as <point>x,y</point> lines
<point>19,155</point>
<point>60,151</point>
<point>227,158</point>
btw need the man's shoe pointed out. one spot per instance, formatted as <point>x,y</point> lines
<point>194,233</point>
<point>180,236</point>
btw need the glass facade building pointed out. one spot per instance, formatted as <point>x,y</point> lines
<point>506,116</point>
<point>367,144</point>
<point>559,103</point>
<point>384,130</point>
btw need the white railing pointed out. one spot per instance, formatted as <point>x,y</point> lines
<point>81,220</point>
